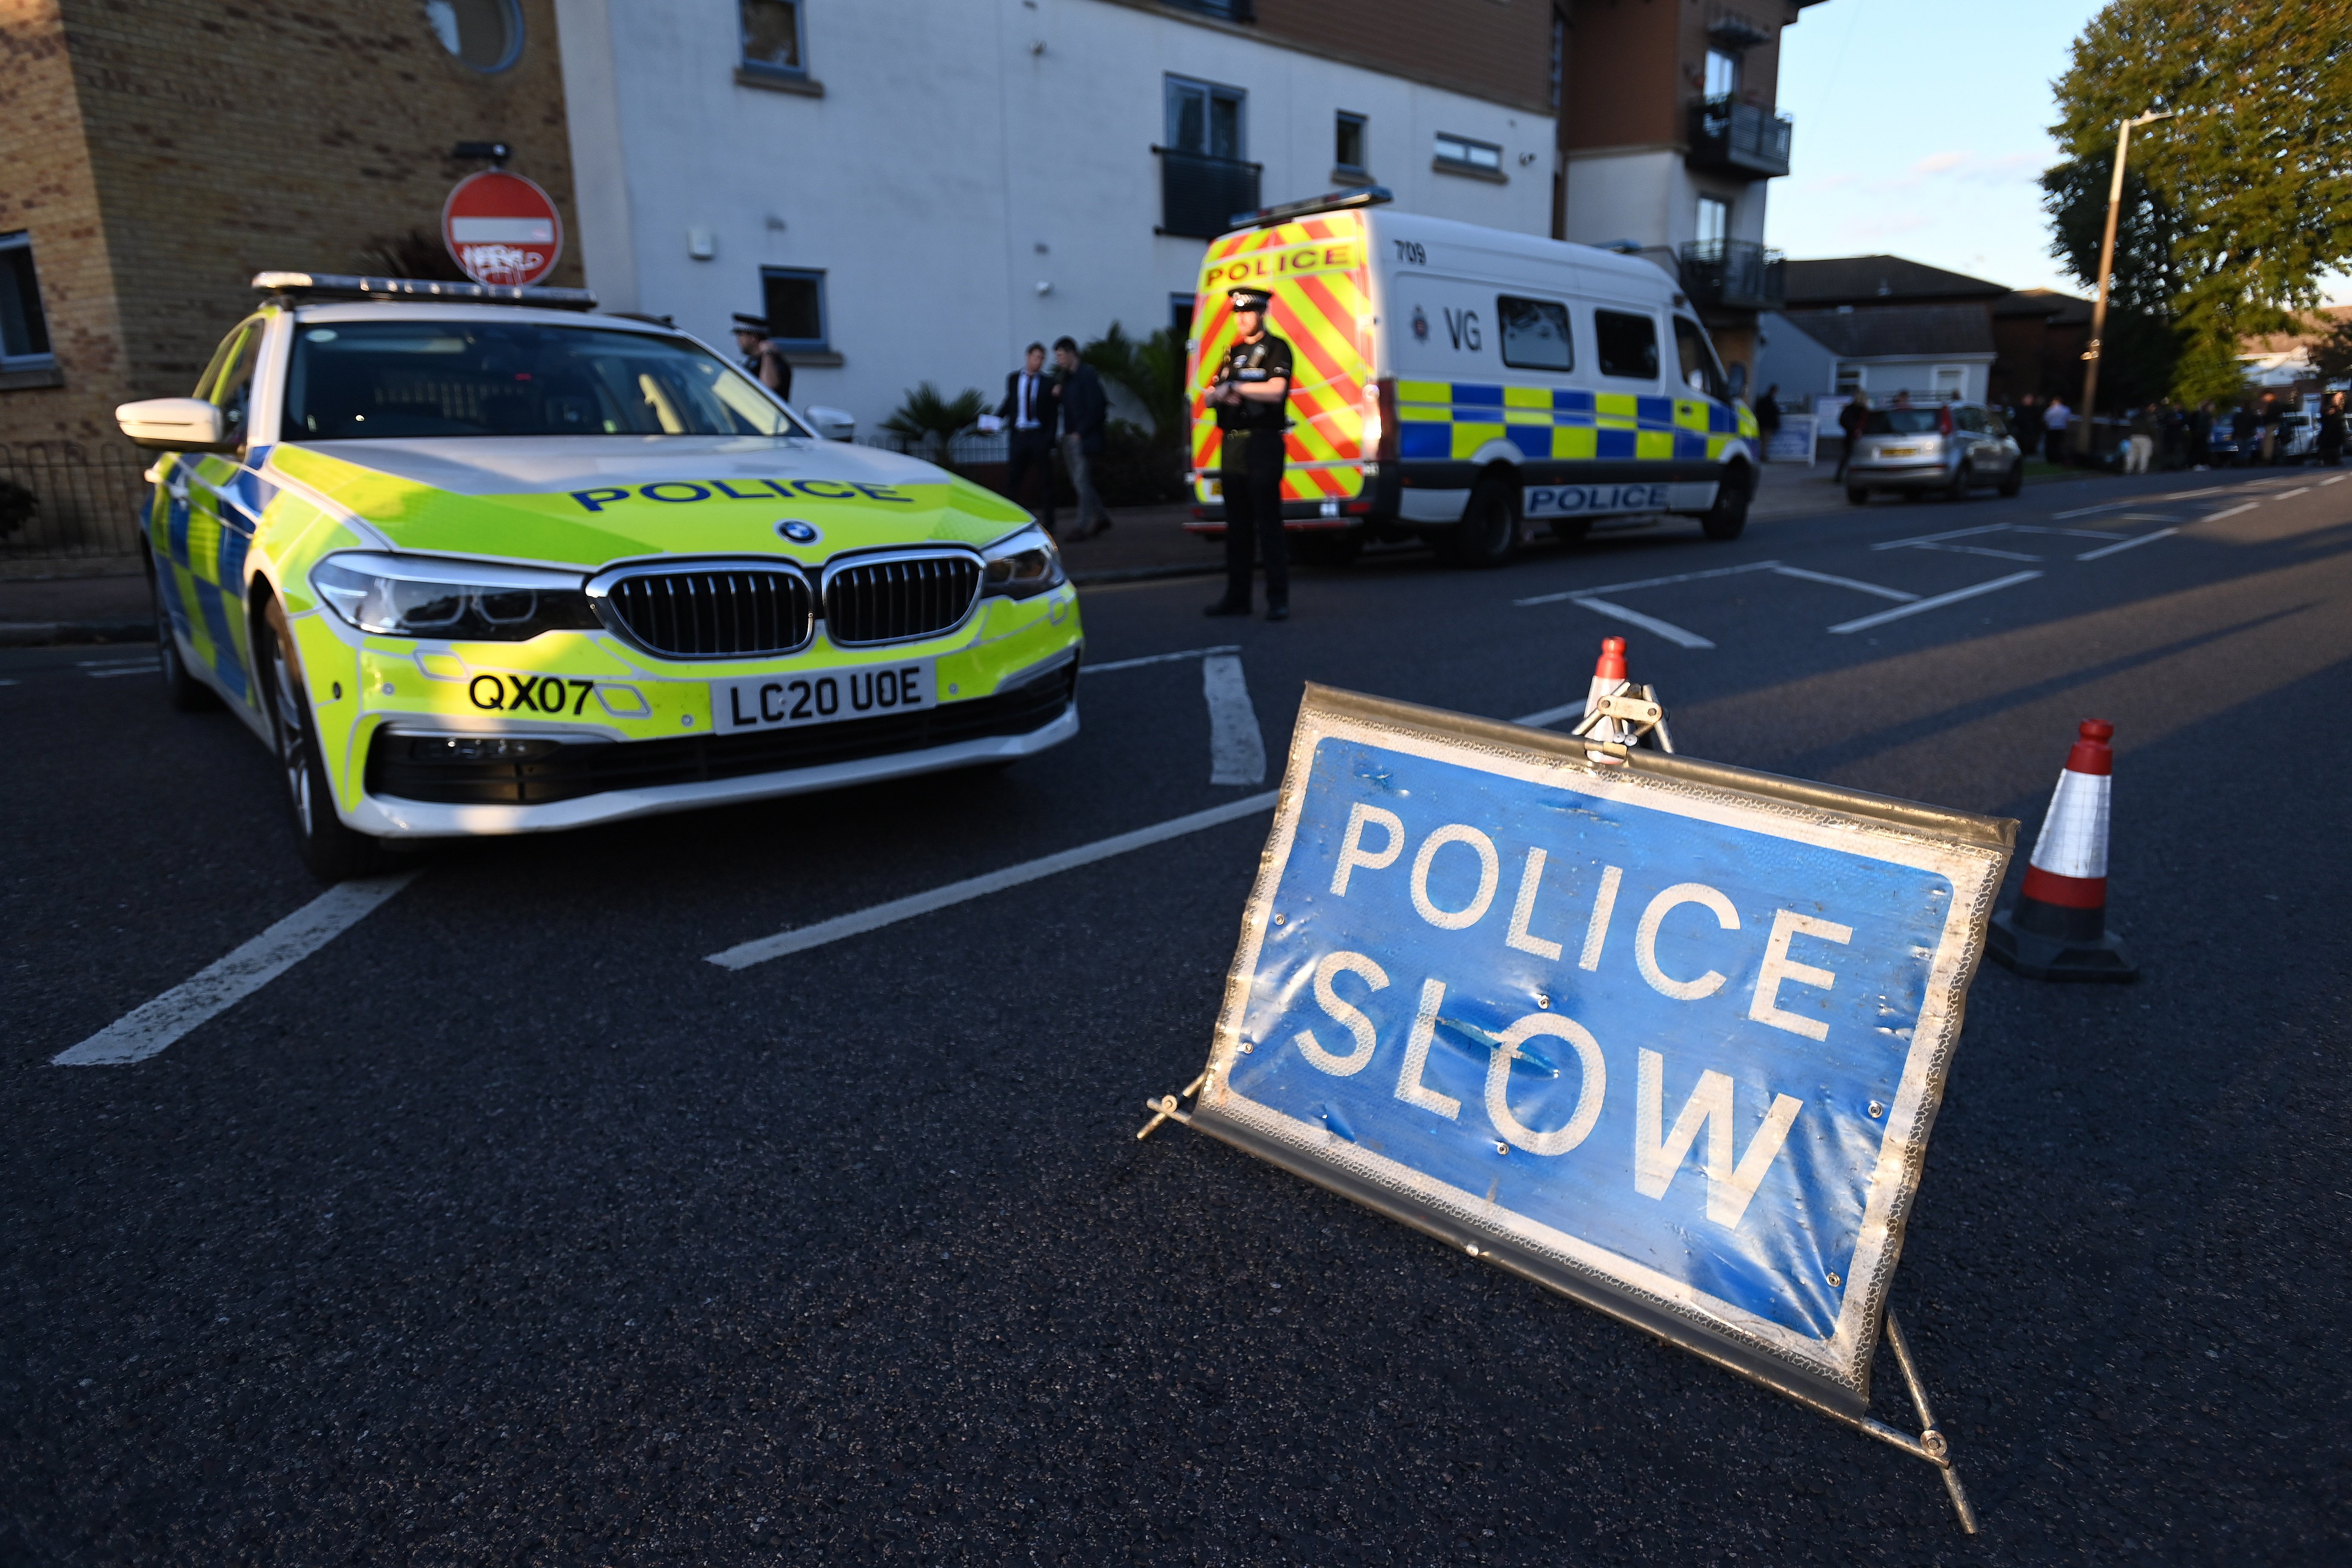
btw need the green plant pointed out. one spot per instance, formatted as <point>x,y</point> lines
<point>933,420</point>
<point>1136,467</point>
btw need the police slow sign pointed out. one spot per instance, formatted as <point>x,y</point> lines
<point>1667,1035</point>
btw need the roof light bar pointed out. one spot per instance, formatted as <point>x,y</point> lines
<point>1332,202</point>
<point>344,286</point>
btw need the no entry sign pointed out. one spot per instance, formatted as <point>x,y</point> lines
<point>501,228</point>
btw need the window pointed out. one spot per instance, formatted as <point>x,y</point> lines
<point>1558,55</point>
<point>1180,316</point>
<point>794,300</point>
<point>1535,333</point>
<point>1951,381</point>
<point>485,35</point>
<point>1722,73</point>
<point>1459,154</point>
<point>1972,420</point>
<point>772,37</point>
<point>1850,380</point>
<point>1347,143</point>
<point>24,327</point>
<point>1627,345</point>
<point>358,380</point>
<point>1714,221</point>
<point>1206,119</point>
<point>1700,372</point>
<point>232,386</point>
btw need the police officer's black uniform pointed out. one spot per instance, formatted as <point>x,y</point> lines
<point>1252,475</point>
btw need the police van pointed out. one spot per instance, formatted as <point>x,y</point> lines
<point>1462,384</point>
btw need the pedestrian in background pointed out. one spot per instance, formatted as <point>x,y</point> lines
<point>1085,410</point>
<point>2028,425</point>
<point>762,357</point>
<point>2331,430</point>
<point>1252,395</point>
<point>2055,419</point>
<point>2269,427</point>
<point>2242,425</point>
<point>1767,415</point>
<point>1849,422</point>
<point>1029,411</point>
<point>2201,436</point>
<point>2141,445</point>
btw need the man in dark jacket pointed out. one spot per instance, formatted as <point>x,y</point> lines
<point>1085,410</point>
<point>2331,430</point>
<point>1850,421</point>
<point>1029,410</point>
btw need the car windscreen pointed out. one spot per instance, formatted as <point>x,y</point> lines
<point>377,380</point>
<point>1900,421</point>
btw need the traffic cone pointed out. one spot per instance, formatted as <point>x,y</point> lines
<point>2057,929</point>
<point>1608,675</point>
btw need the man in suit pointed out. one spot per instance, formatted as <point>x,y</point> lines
<point>1029,412</point>
<point>1085,410</point>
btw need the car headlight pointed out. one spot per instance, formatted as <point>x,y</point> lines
<point>472,601</point>
<point>1022,564</point>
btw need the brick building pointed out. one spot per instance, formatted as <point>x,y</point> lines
<point>161,151</point>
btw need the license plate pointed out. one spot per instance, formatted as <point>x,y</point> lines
<point>1898,451</point>
<point>820,695</point>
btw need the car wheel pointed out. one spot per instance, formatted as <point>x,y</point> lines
<point>1489,530</point>
<point>2014,480</point>
<point>1964,479</point>
<point>181,690</point>
<point>1856,496</point>
<point>331,850</point>
<point>1729,515</point>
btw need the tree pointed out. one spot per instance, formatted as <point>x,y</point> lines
<point>2331,351</point>
<point>2253,179</point>
<point>2141,353</point>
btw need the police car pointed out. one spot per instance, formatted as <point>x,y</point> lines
<point>473,561</point>
<point>1459,384</point>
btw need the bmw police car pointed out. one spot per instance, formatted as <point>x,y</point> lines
<point>472,561</point>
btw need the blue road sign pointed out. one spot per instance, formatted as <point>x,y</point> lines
<point>1667,1035</point>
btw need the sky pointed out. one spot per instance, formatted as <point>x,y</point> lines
<point>1922,131</point>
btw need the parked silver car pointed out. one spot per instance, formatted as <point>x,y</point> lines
<point>1947,448</point>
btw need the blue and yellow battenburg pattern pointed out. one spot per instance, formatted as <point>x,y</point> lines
<point>1452,421</point>
<point>200,567</point>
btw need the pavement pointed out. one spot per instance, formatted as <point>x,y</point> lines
<point>505,1227</point>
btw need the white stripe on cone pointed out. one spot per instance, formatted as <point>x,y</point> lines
<point>2074,841</point>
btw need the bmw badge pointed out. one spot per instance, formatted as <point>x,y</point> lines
<point>799,533</point>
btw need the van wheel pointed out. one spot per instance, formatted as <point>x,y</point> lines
<point>1729,515</point>
<point>329,850</point>
<point>181,690</point>
<point>1489,530</point>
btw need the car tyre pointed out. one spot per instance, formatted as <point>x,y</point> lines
<point>1728,516</point>
<point>181,690</point>
<point>2014,480</point>
<point>1856,496</point>
<point>329,850</point>
<point>1964,479</point>
<point>1489,530</point>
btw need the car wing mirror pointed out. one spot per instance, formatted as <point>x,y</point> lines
<point>173,424</point>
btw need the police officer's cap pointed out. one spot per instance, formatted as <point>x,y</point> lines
<point>1249,299</point>
<point>744,323</point>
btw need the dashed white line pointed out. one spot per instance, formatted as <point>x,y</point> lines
<point>1938,603</point>
<point>2336,479</point>
<point>1979,550</point>
<point>144,1031</point>
<point>2298,491</point>
<point>1666,629</point>
<point>2127,544</point>
<point>1898,594</point>
<point>110,674</point>
<point>1570,594</point>
<point>1938,538</point>
<point>1157,659</point>
<point>2218,516</point>
<point>144,660</point>
<point>1236,750</point>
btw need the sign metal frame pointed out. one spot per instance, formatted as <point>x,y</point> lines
<point>1972,851</point>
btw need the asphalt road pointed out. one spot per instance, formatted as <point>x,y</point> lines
<point>505,1228</point>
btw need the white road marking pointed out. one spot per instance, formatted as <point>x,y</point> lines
<point>1938,603</point>
<point>784,943</point>
<point>6,681</point>
<point>1155,658</point>
<point>110,674</point>
<point>1577,593</point>
<point>2218,516</point>
<point>2091,532</point>
<point>144,1031</point>
<point>2337,479</point>
<point>2298,491</point>
<point>2126,545</point>
<point>1666,629</point>
<point>141,659</point>
<point>1980,550</point>
<point>1940,538</point>
<point>1898,594</point>
<point>1236,750</point>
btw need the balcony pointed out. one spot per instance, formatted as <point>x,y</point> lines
<point>1734,138</point>
<point>1734,274</point>
<point>1199,197</point>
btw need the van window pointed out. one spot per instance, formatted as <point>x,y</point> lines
<point>1627,343</point>
<point>1697,359</point>
<point>1535,333</point>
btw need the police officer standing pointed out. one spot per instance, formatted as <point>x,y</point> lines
<point>1251,395</point>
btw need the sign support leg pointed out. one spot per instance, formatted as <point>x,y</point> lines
<point>1930,1439</point>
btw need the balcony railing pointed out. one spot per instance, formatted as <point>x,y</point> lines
<point>1736,138</point>
<point>1734,274</point>
<point>1200,197</point>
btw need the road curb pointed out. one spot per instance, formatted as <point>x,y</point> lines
<point>48,633</point>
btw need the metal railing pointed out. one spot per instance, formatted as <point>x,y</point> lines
<point>63,501</point>
<point>1735,274</point>
<point>1199,197</point>
<point>1739,137</point>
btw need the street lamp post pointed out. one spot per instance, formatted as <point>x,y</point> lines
<point>2106,271</point>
